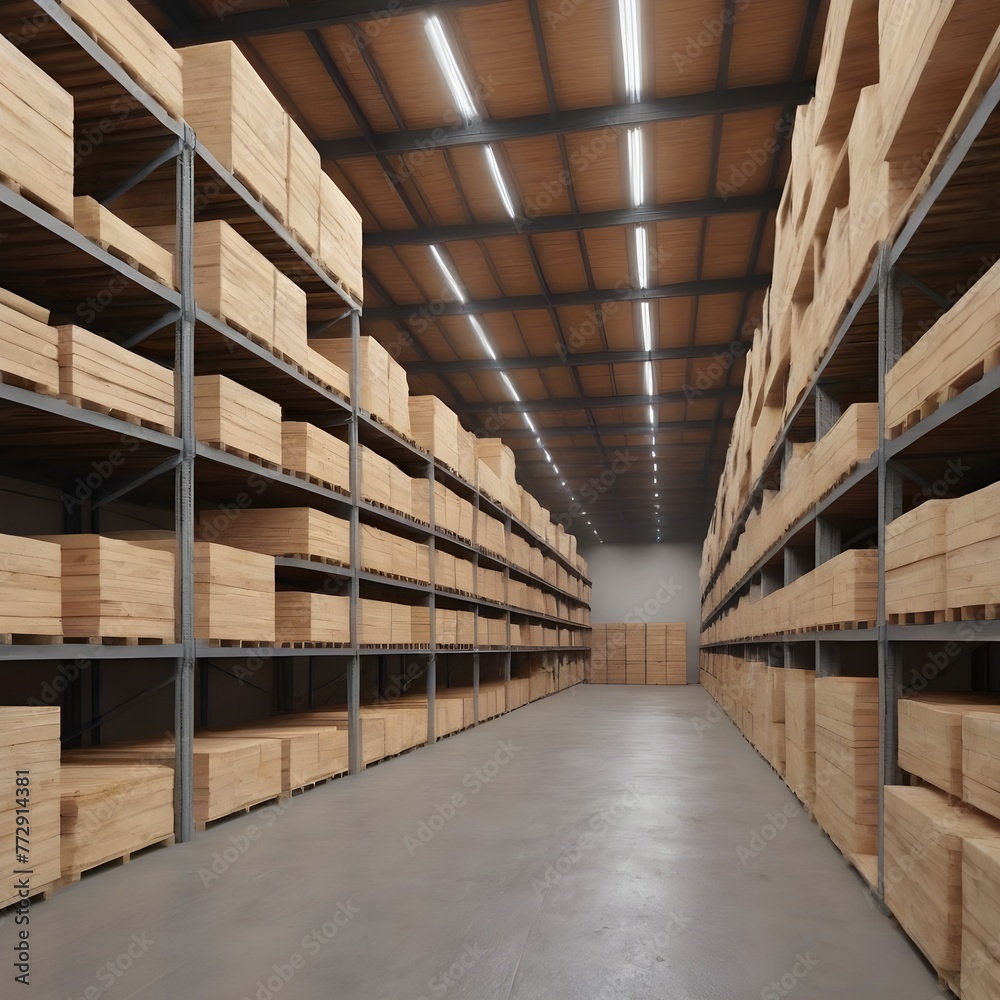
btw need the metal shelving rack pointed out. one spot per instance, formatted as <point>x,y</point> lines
<point>194,464</point>
<point>882,476</point>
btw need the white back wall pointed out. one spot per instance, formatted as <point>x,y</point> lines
<point>648,583</point>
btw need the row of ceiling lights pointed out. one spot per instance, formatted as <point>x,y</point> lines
<point>461,94</point>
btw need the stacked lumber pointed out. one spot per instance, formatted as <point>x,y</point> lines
<point>315,454</point>
<point>36,121</point>
<point>451,512</point>
<point>615,633</point>
<point>930,736</point>
<point>847,742</point>
<point>925,837</point>
<point>29,742</point>
<point>98,374</point>
<point>386,485</point>
<point>372,728</point>
<point>384,390</point>
<point>309,753</point>
<point>233,418</point>
<point>294,532</point>
<point>327,373</point>
<point>841,591</point>
<point>233,587</point>
<point>598,665</point>
<point>110,811</point>
<point>29,347</point>
<point>302,173</point>
<point>97,223</point>
<point>229,774</point>
<point>289,332</point>
<point>449,710</point>
<point>237,119</point>
<point>493,456</point>
<point>952,354</point>
<point>435,427</point>
<point>136,45</point>
<point>980,919</point>
<point>391,555</point>
<point>311,619</point>
<point>635,653</point>
<point>31,596</point>
<point>981,761</point>
<point>381,623</point>
<point>972,526</point>
<point>916,561</point>
<point>800,733</point>
<point>112,588</point>
<point>491,534</point>
<point>340,238</point>
<point>517,694</point>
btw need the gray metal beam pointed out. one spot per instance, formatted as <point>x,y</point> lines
<point>319,14</point>
<point>568,360</point>
<point>598,402</point>
<point>425,311</point>
<point>702,208</point>
<point>585,429</point>
<point>577,120</point>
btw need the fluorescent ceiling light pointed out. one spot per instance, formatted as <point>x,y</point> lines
<point>449,68</point>
<point>636,167</point>
<point>528,423</point>
<point>548,457</point>
<point>481,334</point>
<point>501,184</point>
<point>448,276</point>
<point>510,387</point>
<point>642,256</point>
<point>564,482</point>
<point>654,454</point>
<point>648,367</point>
<point>654,467</point>
<point>646,314</point>
<point>555,469</point>
<point>652,417</point>
<point>628,21</point>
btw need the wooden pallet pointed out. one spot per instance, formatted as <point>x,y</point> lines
<point>62,214</point>
<point>316,481</point>
<point>116,640</point>
<point>207,824</point>
<point>112,411</point>
<point>24,382</point>
<point>30,639</point>
<point>113,861</point>
<point>245,455</point>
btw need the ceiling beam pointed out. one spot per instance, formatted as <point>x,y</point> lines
<point>585,430</point>
<point>578,120</point>
<point>588,297</point>
<point>702,208</point>
<point>584,359</point>
<point>308,17</point>
<point>562,405</point>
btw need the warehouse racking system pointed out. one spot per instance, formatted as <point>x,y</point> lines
<point>909,631</point>
<point>54,442</point>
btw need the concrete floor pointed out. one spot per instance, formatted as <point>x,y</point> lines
<point>594,855</point>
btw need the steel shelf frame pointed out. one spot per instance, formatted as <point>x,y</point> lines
<point>885,281</point>
<point>189,460</point>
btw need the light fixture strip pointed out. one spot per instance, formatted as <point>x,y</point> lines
<point>510,387</point>
<point>648,369</point>
<point>501,184</point>
<point>642,256</point>
<point>483,339</point>
<point>628,18</point>
<point>460,92</point>
<point>646,316</point>
<point>449,277</point>
<point>636,166</point>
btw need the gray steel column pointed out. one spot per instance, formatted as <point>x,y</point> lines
<point>506,574</point>
<point>890,506</point>
<point>184,498</point>
<point>432,609</point>
<point>355,759</point>
<point>475,655</point>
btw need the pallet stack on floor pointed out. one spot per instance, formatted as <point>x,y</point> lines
<point>881,275</point>
<point>638,653</point>
<point>471,565</point>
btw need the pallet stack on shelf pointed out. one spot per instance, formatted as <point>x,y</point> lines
<point>866,438</point>
<point>638,653</point>
<point>236,497</point>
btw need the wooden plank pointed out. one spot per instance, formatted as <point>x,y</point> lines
<point>29,347</point>
<point>30,587</point>
<point>102,226</point>
<point>317,454</point>
<point>226,413</point>
<point>29,742</point>
<point>287,531</point>
<point>980,979</point>
<point>340,237</point>
<point>302,174</point>
<point>110,811</point>
<point>95,372</point>
<point>312,618</point>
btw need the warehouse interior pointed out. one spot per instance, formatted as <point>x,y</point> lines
<point>561,430</point>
